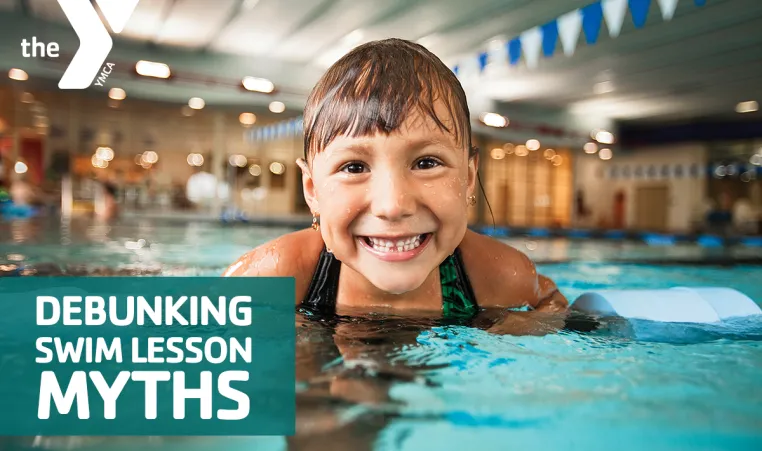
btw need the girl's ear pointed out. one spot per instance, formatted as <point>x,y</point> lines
<point>308,186</point>
<point>473,167</point>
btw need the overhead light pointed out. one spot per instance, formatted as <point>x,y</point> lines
<point>353,38</point>
<point>104,153</point>
<point>557,160</point>
<point>277,168</point>
<point>247,118</point>
<point>508,148</point>
<point>197,103</point>
<point>605,154</point>
<point>149,157</point>
<point>255,170</point>
<point>428,40</point>
<point>493,120</point>
<point>277,107</point>
<point>603,87</point>
<point>549,154</point>
<point>258,84</point>
<point>117,94</point>
<point>20,167</point>
<point>497,153</point>
<point>604,137</point>
<point>152,69</point>
<point>533,145</point>
<point>521,150</point>
<point>756,159</point>
<point>186,111</point>
<point>195,159</point>
<point>747,107</point>
<point>98,162</point>
<point>238,160</point>
<point>591,148</point>
<point>27,98</point>
<point>41,121</point>
<point>18,75</point>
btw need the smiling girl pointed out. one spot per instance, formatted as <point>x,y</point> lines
<point>389,173</point>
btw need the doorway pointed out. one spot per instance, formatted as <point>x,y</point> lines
<point>651,207</point>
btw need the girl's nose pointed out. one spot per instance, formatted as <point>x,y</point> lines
<point>391,198</point>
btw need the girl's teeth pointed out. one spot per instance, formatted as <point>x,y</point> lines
<point>405,245</point>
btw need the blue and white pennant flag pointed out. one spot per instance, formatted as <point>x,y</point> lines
<point>566,28</point>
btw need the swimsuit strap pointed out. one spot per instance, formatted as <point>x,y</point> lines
<point>458,299</point>
<point>321,295</point>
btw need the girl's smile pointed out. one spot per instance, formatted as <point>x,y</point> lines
<point>395,248</point>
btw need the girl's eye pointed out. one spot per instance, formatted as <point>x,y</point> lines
<point>427,163</point>
<point>354,168</point>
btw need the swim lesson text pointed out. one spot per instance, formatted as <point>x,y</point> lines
<point>167,314</point>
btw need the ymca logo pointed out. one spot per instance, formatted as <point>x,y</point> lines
<point>94,40</point>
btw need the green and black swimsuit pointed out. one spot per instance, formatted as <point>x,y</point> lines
<point>458,299</point>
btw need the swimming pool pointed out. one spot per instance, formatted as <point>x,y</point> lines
<point>387,383</point>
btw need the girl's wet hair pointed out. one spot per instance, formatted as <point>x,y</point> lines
<point>373,89</point>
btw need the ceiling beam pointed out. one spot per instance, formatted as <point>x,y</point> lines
<point>164,16</point>
<point>320,11</point>
<point>234,13</point>
<point>25,7</point>
<point>396,9</point>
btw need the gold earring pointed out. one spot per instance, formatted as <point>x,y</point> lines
<point>472,200</point>
<point>315,223</point>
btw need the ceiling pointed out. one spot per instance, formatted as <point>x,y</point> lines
<point>700,64</point>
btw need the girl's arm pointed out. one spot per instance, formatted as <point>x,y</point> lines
<point>291,255</point>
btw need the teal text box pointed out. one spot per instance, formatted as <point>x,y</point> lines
<point>270,388</point>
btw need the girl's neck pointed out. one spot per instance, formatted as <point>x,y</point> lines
<point>355,291</point>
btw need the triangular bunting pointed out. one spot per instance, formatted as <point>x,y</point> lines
<point>497,55</point>
<point>639,11</point>
<point>592,15</point>
<point>569,27</point>
<point>549,38</point>
<point>482,61</point>
<point>531,43</point>
<point>614,12</point>
<point>668,8</point>
<point>514,51</point>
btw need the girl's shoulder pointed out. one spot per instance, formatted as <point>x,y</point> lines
<point>501,275</point>
<point>291,255</point>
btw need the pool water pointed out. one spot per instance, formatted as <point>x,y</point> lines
<point>511,380</point>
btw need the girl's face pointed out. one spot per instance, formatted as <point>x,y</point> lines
<point>393,207</point>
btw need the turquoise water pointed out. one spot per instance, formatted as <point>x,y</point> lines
<point>386,383</point>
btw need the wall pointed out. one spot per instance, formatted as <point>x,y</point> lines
<point>527,190</point>
<point>600,181</point>
<point>267,196</point>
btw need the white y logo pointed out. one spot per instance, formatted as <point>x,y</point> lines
<point>94,40</point>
